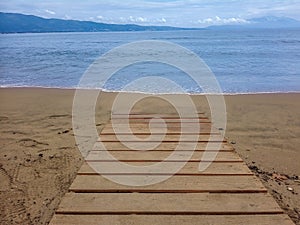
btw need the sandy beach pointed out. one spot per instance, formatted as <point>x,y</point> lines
<point>39,157</point>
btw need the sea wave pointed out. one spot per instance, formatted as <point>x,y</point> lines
<point>147,92</point>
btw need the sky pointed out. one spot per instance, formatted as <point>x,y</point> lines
<point>189,13</point>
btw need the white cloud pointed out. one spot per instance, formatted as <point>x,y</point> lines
<point>139,19</point>
<point>50,12</point>
<point>222,21</point>
<point>162,20</point>
<point>67,17</point>
<point>130,19</point>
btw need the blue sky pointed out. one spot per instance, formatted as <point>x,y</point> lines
<point>190,13</point>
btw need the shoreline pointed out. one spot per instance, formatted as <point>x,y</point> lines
<point>138,92</point>
<point>39,157</point>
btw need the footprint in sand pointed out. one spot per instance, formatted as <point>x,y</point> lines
<point>3,118</point>
<point>15,210</point>
<point>59,116</point>
<point>5,179</point>
<point>28,142</point>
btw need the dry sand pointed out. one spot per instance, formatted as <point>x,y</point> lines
<point>39,157</point>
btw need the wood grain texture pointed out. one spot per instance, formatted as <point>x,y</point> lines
<point>183,184</point>
<point>144,129</point>
<point>190,168</point>
<point>166,146</point>
<point>168,203</point>
<point>171,219</point>
<point>162,138</point>
<point>157,156</point>
<point>157,120</point>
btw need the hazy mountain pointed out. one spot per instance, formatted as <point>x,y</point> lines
<point>274,22</point>
<point>20,23</point>
<point>266,22</point>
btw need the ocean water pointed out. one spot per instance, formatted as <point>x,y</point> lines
<point>248,61</point>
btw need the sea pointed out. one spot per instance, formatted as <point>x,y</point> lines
<point>242,61</point>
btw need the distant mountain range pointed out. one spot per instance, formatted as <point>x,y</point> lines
<point>20,23</point>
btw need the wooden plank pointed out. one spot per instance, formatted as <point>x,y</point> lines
<point>171,219</point>
<point>165,146</point>
<point>168,203</point>
<point>154,120</point>
<point>156,156</point>
<point>151,114</point>
<point>166,119</point>
<point>160,125</point>
<point>156,130</point>
<point>190,168</point>
<point>166,138</point>
<point>182,184</point>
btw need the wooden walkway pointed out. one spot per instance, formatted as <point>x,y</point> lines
<point>226,193</point>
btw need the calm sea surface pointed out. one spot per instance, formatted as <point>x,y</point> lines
<point>243,61</point>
